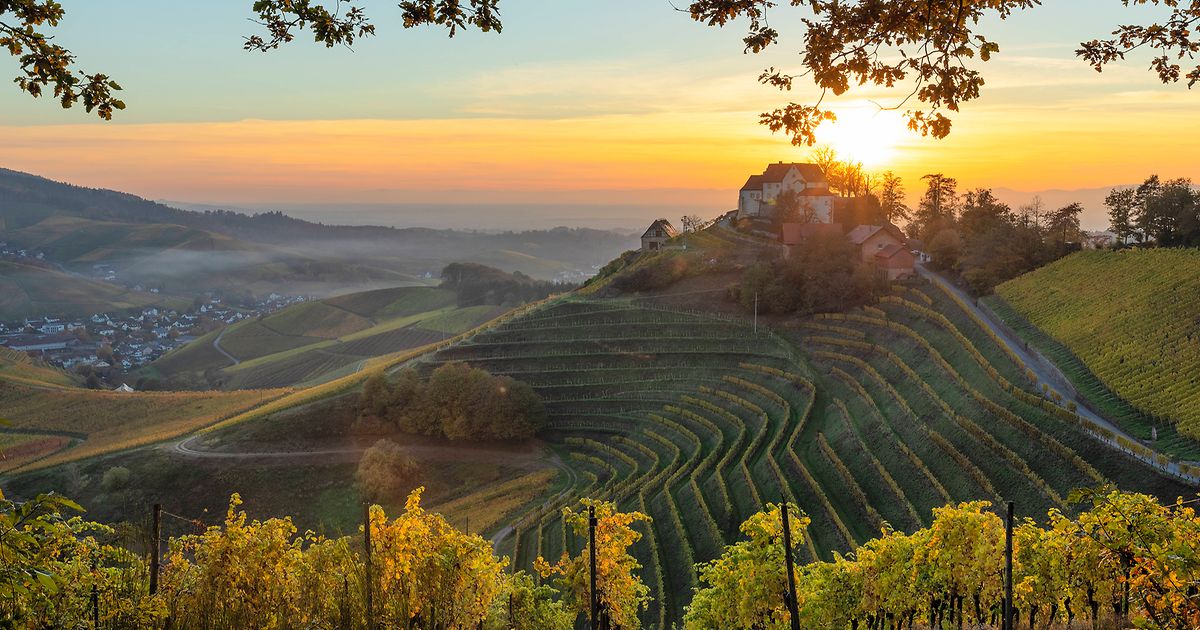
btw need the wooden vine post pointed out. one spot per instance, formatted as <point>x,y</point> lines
<point>594,600</point>
<point>1007,623</point>
<point>793,607</point>
<point>370,579</point>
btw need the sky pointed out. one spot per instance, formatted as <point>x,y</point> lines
<point>580,113</point>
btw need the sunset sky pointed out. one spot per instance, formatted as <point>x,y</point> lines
<point>579,104</point>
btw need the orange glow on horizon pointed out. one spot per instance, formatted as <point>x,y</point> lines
<point>700,158</point>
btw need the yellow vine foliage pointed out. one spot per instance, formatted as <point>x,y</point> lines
<point>620,590</point>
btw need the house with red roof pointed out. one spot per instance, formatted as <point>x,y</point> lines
<point>757,197</point>
<point>894,262</point>
<point>794,235</point>
<point>885,247</point>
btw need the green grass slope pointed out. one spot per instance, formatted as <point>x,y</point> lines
<point>307,343</point>
<point>1123,326</point>
<point>874,416</point>
<point>19,368</point>
<point>86,241</point>
<point>27,291</point>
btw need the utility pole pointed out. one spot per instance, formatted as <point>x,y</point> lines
<point>370,579</point>
<point>594,601</point>
<point>793,607</point>
<point>756,312</point>
<point>1008,570</point>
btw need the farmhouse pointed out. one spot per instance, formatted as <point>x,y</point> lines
<point>758,196</point>
<point>894,262</point>
<point>872,239</point>
<point>886,247</point>
<point>657,235</point>
<point>794,235</point>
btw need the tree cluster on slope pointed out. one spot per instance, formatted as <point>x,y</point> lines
<point>476,284</point>
<point>1165,212</point>
<point>983,239</point>
<point>824,275</point>
<point>457,402</point>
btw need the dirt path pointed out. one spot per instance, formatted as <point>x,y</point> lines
<point>532,459</point>
<point>508,457</point>
<point>572,479</point>
<point>218,348</point>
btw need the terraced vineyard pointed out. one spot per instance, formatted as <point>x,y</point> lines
<point>864,419</point>
<point>1130,344</point>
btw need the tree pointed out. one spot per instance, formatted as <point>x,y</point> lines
<point>430,575</point>
<point>1171,212</point>
<point>945,249</point>
<point>458,402</point>
<point>938,206</point>
<point>789,207</point>
<point>1122,212</point>
<point>982,214</point>
<point>386,471</point>
<point>891,198</point>
<point>690,222</point>
<point>1034,212</point>
<point>1063,224</point>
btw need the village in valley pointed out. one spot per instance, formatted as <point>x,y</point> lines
<point>105,347</point>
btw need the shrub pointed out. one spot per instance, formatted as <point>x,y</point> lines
<point>385,471</point>
<point>115,478</point>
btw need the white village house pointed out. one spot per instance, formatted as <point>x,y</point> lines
<point>758,195</point>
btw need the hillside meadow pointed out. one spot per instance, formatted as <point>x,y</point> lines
<point>313,342</point>
<point>29,291</point>
<point>101,422</point>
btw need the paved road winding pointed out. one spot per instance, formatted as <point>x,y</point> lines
<point>218,348</point>
<point>1030,358</point>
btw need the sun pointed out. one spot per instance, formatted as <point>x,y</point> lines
<point>864,134</point>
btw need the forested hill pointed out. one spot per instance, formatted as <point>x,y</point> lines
<point>29,199</point>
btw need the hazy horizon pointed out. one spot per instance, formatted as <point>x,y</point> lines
<point>589,212</point>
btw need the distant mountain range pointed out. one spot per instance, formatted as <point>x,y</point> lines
<point>84,230</point>
<point>1095,216</point>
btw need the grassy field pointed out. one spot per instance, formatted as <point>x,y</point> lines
<point>18,367</point>
<point>315,341</point>
<point>99,422</point>
<point>868,418</point>
<point>27,291</point>
<point>1123,326</point>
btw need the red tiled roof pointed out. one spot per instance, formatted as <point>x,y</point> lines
<point>777,171</point>
<point>796,233</point>
<point>754,183</point>
<point>863,232</point>
<point>889,250</point>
